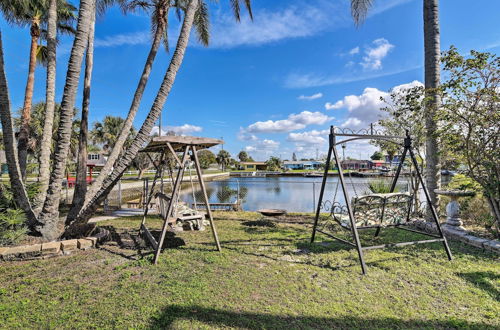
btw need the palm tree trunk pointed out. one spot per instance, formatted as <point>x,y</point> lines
<point>50,93</point>
<point>81,171</point>
<point>24,131</point>
<point>52,226</point>
<point>134,107</point>
<point>9,141</point>
<point>433,103</point>
<point>143,136</point>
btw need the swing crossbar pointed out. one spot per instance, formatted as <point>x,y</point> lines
<point>383,246</point>
<point>335,237</point>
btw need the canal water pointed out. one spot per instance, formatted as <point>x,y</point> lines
<point>294,194</point>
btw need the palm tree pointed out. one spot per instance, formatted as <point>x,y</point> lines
<point>34,13</point>
<point>359,9</point>
<point>223,158</point>
<point>143,135</point>
<point>158,11</point>
<point>16,182</point>
<point>51,227</point>
<point>433,100</point>
<point>106,133</point>
<point>50,94</point>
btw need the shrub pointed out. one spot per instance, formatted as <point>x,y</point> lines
<point>381,187</point>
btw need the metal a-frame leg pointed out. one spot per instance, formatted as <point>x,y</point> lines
<point>398,173</point>
<point>177,184</point>
<point>433,210</point>
<point>205,197</point>
<point>159,172</point>
<point>323,184</point>
<point>350,211</point>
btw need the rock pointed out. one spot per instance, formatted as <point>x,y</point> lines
<point>69,245</point>
<point>84,244</point>
<point>93,240</point>
<point>22,252</point>
<point>51,248</point>
<point>492,245</point>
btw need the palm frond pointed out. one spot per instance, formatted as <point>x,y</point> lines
<point>202,24</point>
<point>235,4</point>
<point>359,10</point>
<point>42,55</point>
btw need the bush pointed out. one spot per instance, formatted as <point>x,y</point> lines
<point>381,187</point>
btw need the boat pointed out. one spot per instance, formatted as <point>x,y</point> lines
<point>313,174</point>
<point>272,212</point>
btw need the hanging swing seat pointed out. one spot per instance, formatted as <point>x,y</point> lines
<point>376,210</point>
<point>182,216</point>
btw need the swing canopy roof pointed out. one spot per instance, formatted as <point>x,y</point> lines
<point>178,143</point>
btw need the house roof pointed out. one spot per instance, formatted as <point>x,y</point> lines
<point>178,143</point>
<point>252,163</point>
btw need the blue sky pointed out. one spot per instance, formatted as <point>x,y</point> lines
<point>272,86</point>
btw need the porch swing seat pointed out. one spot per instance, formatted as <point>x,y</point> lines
<point>182,216</point>
<point>376,210</point>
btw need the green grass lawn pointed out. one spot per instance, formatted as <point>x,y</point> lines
<point>265,277</point>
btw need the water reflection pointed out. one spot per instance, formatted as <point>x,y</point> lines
<point>295,194</point>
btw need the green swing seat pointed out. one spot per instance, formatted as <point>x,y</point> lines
<point>376,210</point>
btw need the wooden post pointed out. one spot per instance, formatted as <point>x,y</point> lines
<point>205,196</point>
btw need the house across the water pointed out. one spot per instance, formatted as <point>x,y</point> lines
<point>302,164</point>
<point>253,166</point>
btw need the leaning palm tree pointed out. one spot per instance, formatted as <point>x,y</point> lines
<point>51,227</point>
<point>158,11</point>
<point>18,188</point>
<point>34,13</point>
<point>195,11</point>
<point>359,9</point>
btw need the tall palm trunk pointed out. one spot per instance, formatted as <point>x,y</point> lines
<point>24,131</point>
<point>81,171</point>
<point>143,136</point>
<point>433,103</point>
<point>50,93</point>
<point>52,226</point>
<point>9,141</point>
<point>134,107</point>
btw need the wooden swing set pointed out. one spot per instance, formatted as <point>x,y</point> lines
<point>170,209</point>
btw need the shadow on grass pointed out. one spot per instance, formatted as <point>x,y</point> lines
<point>213,317</point>
<point>483,281</point>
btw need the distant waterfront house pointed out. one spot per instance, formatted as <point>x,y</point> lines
<point>379,164</point>
<point>96,160</point>
<point>354,164</point>
<point>253,166</point>
<point>302,164</point>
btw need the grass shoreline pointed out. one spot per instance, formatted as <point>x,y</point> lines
<point>265,277</point>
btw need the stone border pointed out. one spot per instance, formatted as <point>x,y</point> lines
<point>52,249</point>
<point>463,236</point>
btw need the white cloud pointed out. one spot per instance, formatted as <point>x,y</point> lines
<point>293,122</point>
<point>131,39</point>
<point>244,136</point>
<point>179,130</point>
<point>375,54</point>
<point>311,97</point>
<point>354,51</point>
<point>263,148</point>
<point>365,108</point>
<point>308,80</point>
<point>310,137</point>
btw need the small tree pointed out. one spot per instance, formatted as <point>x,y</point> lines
<point>470,119</point>
<point>206,158</point>
<point>273,164</point>
<point>243,156</point>
<point>377,155</point>
<point>223,158</point>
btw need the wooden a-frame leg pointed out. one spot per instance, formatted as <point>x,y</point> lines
<point>205,197</point>
<point>175,190</point>
<point>433,210</point>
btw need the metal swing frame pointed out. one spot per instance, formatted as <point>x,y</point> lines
<point>406,143</point>
<point>188,146</point>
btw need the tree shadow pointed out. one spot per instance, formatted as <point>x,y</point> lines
<point>482,281</point>
<point>213,317</point>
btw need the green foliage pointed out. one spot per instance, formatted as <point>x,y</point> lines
<point>273,164</point>
<point>244,157</point>
<point>463,182</point>
<point>12,220</point>
<point>470,118</point>
<point>381,186</point>
<point>377,155</point>
<point>206,158</point>
<point>223,158</point>
<point>106,133</point>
